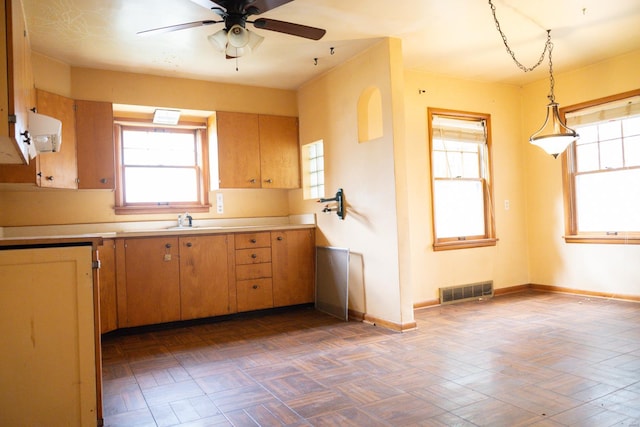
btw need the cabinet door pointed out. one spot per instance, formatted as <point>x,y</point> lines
<point>16,94</point>
<point>107,285</point>
<point>47,336</point>
<point>152,282</point>
<point>204,276</point>
<point>293,263</point>
<point>95,146</point>
<point>58,170</point>
<point>279,152</point>
<point>238,150</point>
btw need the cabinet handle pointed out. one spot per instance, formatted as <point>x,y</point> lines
<point>255,286</point>
<point>49,178</point>
<point>168,246</point>
<point>268,180</point>
<point>189,244</point>
<point>252,180</point>
<point>253,240</point>
<point>103,180</point>
<point>279,237</point>
<point>254,256</point>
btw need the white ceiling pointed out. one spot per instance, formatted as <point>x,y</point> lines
<point>451,37</point>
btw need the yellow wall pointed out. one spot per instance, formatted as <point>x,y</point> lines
<point>506,263</point>
<point>45,207</point>
<point>328,111</point>
<point>608,269</point>
<point>386,181</point>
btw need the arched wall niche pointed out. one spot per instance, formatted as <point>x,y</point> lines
<point>370,115</point>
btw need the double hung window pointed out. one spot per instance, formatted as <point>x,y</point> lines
<point>461,179</point>
<point>161,169</point>
<point>602,171</point>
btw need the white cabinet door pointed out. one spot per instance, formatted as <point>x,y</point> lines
<point>47,361</point>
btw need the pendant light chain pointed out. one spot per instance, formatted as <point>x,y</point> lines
<point>547,45</point>
<point>552,81</point>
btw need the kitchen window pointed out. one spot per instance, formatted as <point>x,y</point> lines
<point>602,171</point>
<point>161,169</point>
<point>313,170</point>
<point>461,182</point>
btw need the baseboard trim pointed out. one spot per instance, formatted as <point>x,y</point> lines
<point>511,289</point>
<point>540,288</point>
<point>426,304</point>
<point>560,289</point>
<point>366,318</point>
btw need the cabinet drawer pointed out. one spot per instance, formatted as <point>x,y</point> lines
<point>253,271</point>
<point>254,294</point>
<point>253,240</point>
<point>253,256</point>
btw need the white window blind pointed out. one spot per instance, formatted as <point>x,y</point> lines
<point>458,130</point>
<point>604,112</point>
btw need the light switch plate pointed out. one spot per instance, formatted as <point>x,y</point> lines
<point>219,203</point>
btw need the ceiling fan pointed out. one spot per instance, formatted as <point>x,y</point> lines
<point>234,38</point>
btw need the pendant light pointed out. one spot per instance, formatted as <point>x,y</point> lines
<point>554,136</point>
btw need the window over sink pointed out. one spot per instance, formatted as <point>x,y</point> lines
<point>161,169</point>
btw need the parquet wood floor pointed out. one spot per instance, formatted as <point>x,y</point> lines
<point>525,359</point>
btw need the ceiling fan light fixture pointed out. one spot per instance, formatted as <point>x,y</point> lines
<point>219,39</point>
<point>234,52</point>
<point>554,136</point>
<point>237,36</point>
<point>254,40</point>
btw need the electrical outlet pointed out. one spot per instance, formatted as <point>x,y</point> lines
<point>507,205</point>
<point>219,203</point>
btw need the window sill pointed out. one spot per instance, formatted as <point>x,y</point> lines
<point>622,239</point>
<point>160,209</point>
<point>464,244</point>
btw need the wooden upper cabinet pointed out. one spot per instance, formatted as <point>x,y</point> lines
<point>17,97</point>
<point>257,151</point>
<point>95,146</point>
<point>238,150</point>
<point>279,152</point>
<point>58,170</point>
<point>87,155</point>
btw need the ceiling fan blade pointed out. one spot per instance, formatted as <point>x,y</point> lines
<point>299,30</point>
<point>177,27</point>
<point>264,5</point>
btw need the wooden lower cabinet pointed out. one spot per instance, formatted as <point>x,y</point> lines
<point>148,280</point>
<point>205,287</point>
<point>107,286</point>
<point>169,278</point>
<point>253,271</point>
<point>293,260</point>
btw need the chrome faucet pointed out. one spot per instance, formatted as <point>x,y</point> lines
<point>182,218</point>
